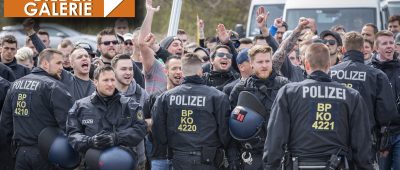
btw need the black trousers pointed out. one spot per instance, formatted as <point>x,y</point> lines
<point>184,161</point>
<point>6,159</point>
<point>29,158</point>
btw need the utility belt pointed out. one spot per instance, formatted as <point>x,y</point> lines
<point>209,155</point>
<point>335,162</point>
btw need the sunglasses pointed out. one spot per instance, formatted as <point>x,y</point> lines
<point>128,43</point>
<point>107,43</point>
<point>224,54</point>
<point>330,42</point>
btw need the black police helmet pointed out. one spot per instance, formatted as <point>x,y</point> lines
<point>110,159</point>
<point>247,119</point>
<point>54,147</point>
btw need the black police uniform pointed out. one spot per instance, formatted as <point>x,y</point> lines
<point>34,102</point>
<point>193,120</point>
<point>265,91</point>
<point>317,119</point>
<point>115,114</point>
<point>372,84</point>
<point>5,155</point>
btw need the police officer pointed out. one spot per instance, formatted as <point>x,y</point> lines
<point>264,84</point>
<point>5,155</point>
<point>192,120</point>
<point>371,83</point>
<point>318,122</point>
<point>34,102</point>
<point>105,118</point>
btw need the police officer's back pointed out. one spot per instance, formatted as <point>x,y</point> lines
<point>192,120</point>
<point>34,102</point>
<point>372,83</point>
<point>106,118</point>
<point>316,120</point>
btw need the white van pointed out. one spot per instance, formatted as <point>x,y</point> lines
<point>352,14</point>
<point>389,8</point>
<point>275,8</point>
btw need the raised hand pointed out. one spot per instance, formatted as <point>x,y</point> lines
<point>149,6</point>
<point>303,22</point>
<point>261,17</point>
<point>223,34</point>
<point>278,22</point>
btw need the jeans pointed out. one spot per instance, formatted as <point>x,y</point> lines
<point>161,164</point>
<point>393,159</point>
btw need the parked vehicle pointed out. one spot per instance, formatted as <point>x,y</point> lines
<point>352,14</point>
<point>275,8</point>
<point>389,8</point>
<point>56,32</point>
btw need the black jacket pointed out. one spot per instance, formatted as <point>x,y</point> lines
<point>4,85</point>
<point>191,116</point>
<point>6,73</point>
<point>315,118</point>
<point>266,91</point>
<point>18,69</point>
<point>392,70</point>
<point>373,85</point>
<point>219,79</point>
<point>34,102</point>
<point>116,113</point>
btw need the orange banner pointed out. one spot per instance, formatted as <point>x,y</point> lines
<point>69,8</point>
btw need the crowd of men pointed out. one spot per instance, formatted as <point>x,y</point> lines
<point>287,99</point>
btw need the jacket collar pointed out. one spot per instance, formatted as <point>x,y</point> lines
<point>319,76</point>
<point>193,79</point>
<point>354,55</point>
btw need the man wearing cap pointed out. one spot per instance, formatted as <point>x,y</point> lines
<point>245,69</point>
<point>334,43</point>
<point>128,44</point>
<point>173,45</point>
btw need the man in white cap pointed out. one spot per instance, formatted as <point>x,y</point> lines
<point>128,44</point>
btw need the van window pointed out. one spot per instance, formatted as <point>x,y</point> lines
<point>394,8</point>
<point>275,11</point>
<point>351,18</point>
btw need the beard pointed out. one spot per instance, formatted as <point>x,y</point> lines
<point>108,55</point>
